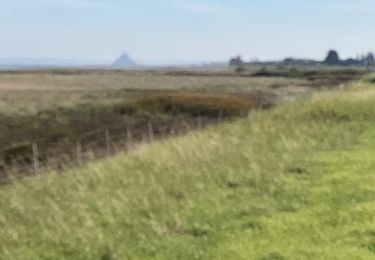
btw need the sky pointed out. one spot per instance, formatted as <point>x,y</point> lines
<point>184,31</point>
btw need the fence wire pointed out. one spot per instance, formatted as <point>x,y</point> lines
<point>40,156</point>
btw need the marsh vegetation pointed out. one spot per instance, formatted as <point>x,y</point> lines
<point>294,182</point>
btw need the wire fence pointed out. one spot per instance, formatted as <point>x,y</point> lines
<point>46,154</point>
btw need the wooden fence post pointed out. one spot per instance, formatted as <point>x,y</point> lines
<point>35,157</point>
<point>79,152</point>
<point>186,125</point>
<point>150,131</point>
<point>220,115</point>
<point>199,121</point>
<point>108,141</point>
<point>173,129</point>
<point>129,137</point>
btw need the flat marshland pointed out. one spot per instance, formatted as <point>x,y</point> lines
<point>82,100</point>
<point>35,104</point>
<point>56,107</point>
<point>293,182</point>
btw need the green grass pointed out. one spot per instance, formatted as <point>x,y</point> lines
<point>296,182</point>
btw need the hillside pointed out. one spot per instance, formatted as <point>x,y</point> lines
<point>295,182</point>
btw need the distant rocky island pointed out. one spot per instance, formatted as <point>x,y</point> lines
<point>332,59</point>
<point>124,61</point>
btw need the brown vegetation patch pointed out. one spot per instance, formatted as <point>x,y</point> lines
<point>204,104</point>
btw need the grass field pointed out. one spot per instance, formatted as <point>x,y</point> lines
<point>294,182</point>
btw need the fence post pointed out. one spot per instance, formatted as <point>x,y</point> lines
<point>79,152</point>
<point>35,157</point>
<point>108,141</point>
<point>129,136</point>
<point>150,131</point>
<point>220,116</point>
<point>173,129</point>
<point>186,125</point>
<point>199,121</point>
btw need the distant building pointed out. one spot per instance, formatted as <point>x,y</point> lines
<point>351,62</point>
<point>236,61</point>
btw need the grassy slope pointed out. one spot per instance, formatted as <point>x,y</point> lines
<point>293,183</point>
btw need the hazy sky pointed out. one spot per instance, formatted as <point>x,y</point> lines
<point>157,31</point>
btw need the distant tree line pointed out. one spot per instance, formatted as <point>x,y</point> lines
<point>332,59</point>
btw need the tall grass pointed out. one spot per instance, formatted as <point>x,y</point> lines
<point>281,184</point>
